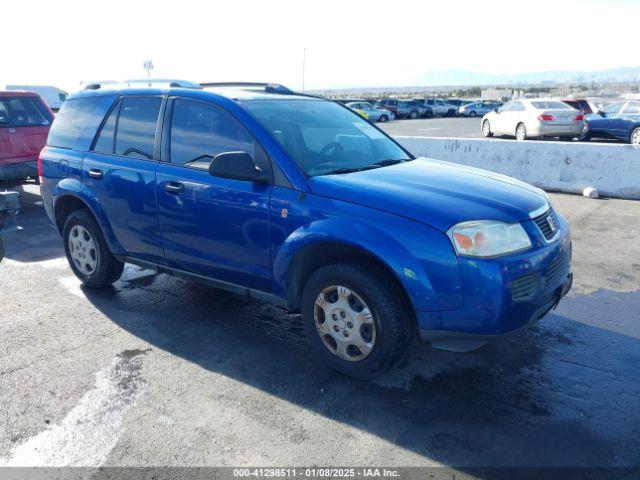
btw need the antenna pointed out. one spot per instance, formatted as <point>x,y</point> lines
<point>304,65</point>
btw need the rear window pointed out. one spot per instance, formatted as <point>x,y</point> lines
<point>76,123</point>
<point>550,105</point>
<point>23,112</point>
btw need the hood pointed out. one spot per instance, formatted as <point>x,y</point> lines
<point>438,194</point>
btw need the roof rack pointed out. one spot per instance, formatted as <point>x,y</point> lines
<point>145,82</point>
<point>267,87</point>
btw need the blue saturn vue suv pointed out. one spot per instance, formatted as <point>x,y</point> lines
<point>298,200</point>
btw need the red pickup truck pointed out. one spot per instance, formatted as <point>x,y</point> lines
<point>24,124</point>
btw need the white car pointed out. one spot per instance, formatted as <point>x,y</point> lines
<point>533,118</point>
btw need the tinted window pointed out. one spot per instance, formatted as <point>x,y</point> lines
<point>23,112</point>
<point>106,139</point>
<point>75,116</point>
<point>136,130</point>
<point>200,131</point>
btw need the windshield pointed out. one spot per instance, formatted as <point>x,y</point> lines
<point>23,112</point>
<point>323,137</point>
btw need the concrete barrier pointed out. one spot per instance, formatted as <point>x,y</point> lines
<point>558,166</point>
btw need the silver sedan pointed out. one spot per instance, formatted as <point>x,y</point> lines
<point>533,118</point>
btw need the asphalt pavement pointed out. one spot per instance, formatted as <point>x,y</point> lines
<point>159,371</point>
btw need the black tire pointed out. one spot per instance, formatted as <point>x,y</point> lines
<point>391,316</point>
<point>451,113</point>
<point>473,114</point>
<point>429,114</point>
<point>413,114</point>
<point>634,138</point>
<point>486,131</point>
<point>108,269</point>
<point>383,118</point>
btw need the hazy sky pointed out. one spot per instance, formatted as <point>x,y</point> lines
<point>348,42</point>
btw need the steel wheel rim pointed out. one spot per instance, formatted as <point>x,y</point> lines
<point>344,323</point>
<point>635,137</point>
<point>83,250</point>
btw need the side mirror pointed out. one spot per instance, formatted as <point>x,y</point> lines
<point>237,166</point>
<point>496,110</point>
<point>601,113</point>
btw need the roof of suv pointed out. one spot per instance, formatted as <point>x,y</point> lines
<point>207,92</point>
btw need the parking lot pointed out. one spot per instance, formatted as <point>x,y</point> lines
<point>451,127</point>
<point>162,371</point>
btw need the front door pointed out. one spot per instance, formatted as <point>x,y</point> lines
<point>212,226</point>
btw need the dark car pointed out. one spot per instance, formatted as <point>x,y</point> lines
<point>24,124</point>
<point>618,120</point>
<point>579,104</point>
<point>299,201</point>
<point>401,108</point>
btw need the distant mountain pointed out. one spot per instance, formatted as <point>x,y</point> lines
<point>466,78</point>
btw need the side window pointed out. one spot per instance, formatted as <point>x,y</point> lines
<point>75,117</point>
<point>105,142</point>
<point>136,130</point>
<point>632,108</point>
<point>200,131</point>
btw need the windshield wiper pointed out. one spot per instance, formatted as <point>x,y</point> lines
<point>386,163</point>
<point>381,163</point>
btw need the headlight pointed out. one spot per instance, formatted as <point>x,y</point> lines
<point>488,238</point>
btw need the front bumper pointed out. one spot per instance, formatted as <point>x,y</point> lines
<point>505,294</point>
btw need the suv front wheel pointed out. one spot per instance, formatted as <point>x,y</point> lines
<point>87,251</point>
<point>355,321</point>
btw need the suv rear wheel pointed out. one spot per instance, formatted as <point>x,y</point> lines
<point>87,251</point>
<point>413,115</point>
<point>355,322</point>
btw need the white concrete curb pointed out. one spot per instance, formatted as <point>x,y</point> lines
<point>614,170</point>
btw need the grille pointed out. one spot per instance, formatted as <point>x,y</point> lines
<point>548,224</point>
<point>557,269</point>
<point>524,288</point>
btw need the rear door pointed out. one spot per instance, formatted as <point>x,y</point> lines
<point>24,125</point>
<point>607,121</point>
<point>120,172</point>
<point>212,226</point>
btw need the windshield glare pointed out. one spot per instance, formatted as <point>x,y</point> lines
<point>323,137</point>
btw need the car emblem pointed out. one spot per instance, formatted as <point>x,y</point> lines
<point>552,223</point>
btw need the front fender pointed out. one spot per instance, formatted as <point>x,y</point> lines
<point>74,187</point>
<point>381,244</point>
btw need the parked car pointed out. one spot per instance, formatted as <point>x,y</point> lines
<point>52,96</point>
<point>299,201</point>
<point>580,104</point>
<point>619,120</point>
<point>373,114</point>
<point>477,109</point>
<point>401,108</point>
<point>24,124</point>
<point>533,118</point>
<point>423,110</point>
<point>441,107</point>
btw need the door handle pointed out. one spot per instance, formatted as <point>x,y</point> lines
<point>174,187</point>
<point>95,173</point>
